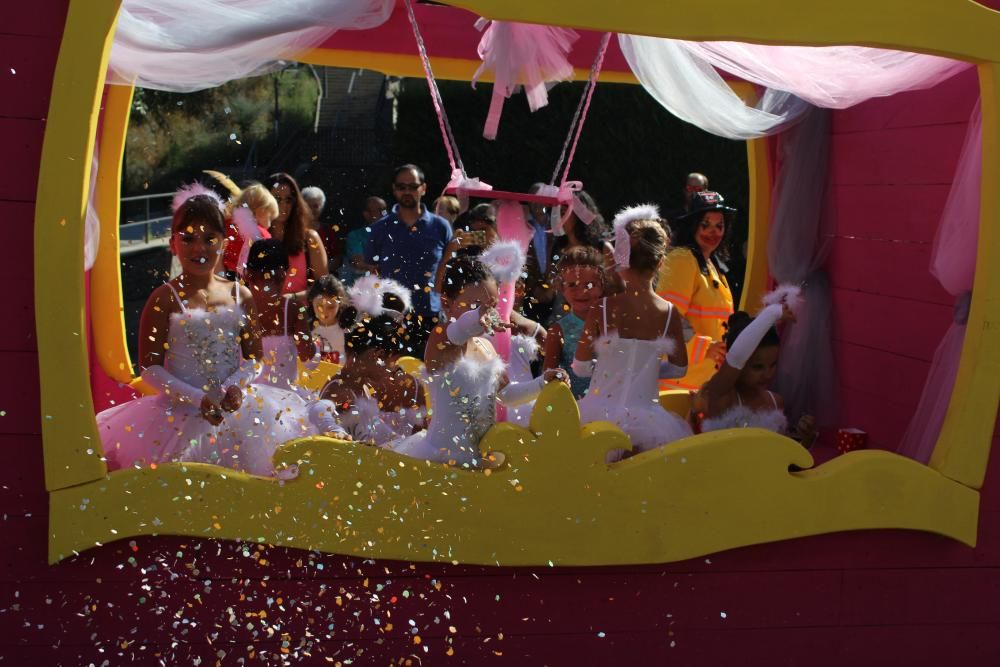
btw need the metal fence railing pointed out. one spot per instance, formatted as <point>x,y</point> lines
<point>145,221</point>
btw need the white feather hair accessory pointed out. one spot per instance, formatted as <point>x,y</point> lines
<point>368,296</point>
<point>788,294</point>
<point>623,244</point>
<point>246,226</point>
<point>505,260</point>
<point>195,189</point>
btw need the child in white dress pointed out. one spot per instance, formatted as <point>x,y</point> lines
<point>636,338</point>
<point>285,338</point>
<point>378,402</point>
<point>466,376</point>
<point>198,338</point>
<point>737,396</point>
<point>327,298</point>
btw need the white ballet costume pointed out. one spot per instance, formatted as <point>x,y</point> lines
<point>367,422</point>
<point>281,371</point>
<point>330,339</point>
<point>203,352</point>
<point>523,351</point>
<point>742,416</point>
<point>624,389</point>
<point>464,397</point>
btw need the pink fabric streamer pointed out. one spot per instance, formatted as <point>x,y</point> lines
<point>568,200</point>
<point>831,77</point>
<point>247,227</point>
<point>522,54</point>
<point>953,263</point>
<point>505,260</point>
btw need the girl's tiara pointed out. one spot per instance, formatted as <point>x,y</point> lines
<point>195,189</point>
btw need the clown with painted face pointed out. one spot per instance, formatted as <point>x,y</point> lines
<point>692,279</point>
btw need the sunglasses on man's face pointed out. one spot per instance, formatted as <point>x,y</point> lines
<point>412,187</point>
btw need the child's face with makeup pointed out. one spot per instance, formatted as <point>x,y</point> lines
<point>326,308</point>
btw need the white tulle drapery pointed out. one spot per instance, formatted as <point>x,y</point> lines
<point>953,263</point>
<point>832,77</point>
<point>187,45</point>
<point>797,248</point>
<point>689,87</point>
<point>681,76</point>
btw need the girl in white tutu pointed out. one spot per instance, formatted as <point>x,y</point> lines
<point>377,401</point>
<point>466,376</point>
<point>197,343</point>
<point>635,337</point>
<point>737,396</point>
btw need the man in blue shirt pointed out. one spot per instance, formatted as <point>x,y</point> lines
<point>406,245</point>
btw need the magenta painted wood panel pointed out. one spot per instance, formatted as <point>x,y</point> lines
<point>860,598</point>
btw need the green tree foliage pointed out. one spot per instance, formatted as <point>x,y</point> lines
<point>173,136</point>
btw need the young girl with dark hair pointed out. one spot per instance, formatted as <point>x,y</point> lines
<point>737,396</point>
<point>198,340</point>
<point>580,279</point>
<point>307,260</point>
<point>327,300</point>
<point>377,401</point>
<point>631,339</point>
<point>466,376</point>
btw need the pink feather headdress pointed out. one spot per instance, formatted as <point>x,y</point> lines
<point>623,244</point>
<point>195,189</point>
<point>505,260</point>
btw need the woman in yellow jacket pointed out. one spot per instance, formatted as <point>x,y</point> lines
<point>692,280</point>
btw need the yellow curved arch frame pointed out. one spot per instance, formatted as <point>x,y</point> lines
<point>554,500</point>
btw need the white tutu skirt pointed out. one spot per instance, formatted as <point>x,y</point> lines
<point>155,429</point>
<point>647,426</point>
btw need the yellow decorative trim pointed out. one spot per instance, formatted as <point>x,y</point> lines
<point>952,28</point>
<point>963,448</point>
<point>69,432</point>
<point>106,306</point>
<point>553,502</point>
<point>759,223</point>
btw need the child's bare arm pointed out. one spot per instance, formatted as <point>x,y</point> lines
<point>553,347</point>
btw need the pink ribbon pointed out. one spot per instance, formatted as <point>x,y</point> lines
<point>623,246</point>
<point>462,184</point>
<point>566,196</point>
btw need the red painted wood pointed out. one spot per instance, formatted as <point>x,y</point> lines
<point>906,155</point>
<point>948,102</point>
<point>28,67</point>
<point>883,211</point>
<point>18,332</point>
<point>874,267</point>
<point>22,142</point>
<point>39,18</point>
<point>19,393</point>
<point>904,327</point>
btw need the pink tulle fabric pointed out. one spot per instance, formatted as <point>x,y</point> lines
<point>953,263</point>
<point>832,77</point>
<point>522,54</point>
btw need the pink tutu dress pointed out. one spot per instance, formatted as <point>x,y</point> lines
<point>204,350</point>
<point>624,389</point>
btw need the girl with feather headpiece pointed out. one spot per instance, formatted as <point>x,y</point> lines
<point>633,338</point>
